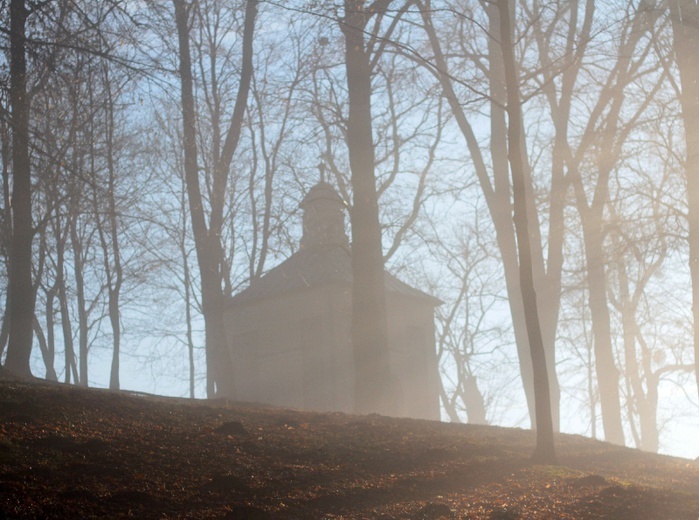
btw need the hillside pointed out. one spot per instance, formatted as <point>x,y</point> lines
<point>75,453</point>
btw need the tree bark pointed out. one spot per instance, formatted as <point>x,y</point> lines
<point>5,329</point>
<point>644,403</point>
<point>684,15</point>
<point>497,196</point>
<point>6,228</point>
<point>51,333</point>
<point>110,242</point>
<point>545,449</point>
<point>605,364</point>
<point>208,238</point>
<point>20,276</point>
<point>369,326</point>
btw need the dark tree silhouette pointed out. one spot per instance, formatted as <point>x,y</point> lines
<point>545,450</point>
<point>22,301</point>
<point>369,327</point>
<point>495,185</point>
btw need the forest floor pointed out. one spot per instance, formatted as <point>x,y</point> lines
<point>70,453</point>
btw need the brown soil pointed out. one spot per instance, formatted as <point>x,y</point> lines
<point>68,453</point>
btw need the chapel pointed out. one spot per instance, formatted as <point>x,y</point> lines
<point>289,331</point>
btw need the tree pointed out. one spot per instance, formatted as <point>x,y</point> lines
<point>6,227</point>
<point>563,71</point>
<point>545,449</point>
<point>494,181</point>
<point>106,221</point>
<point>646,283</point>
<point>207,235</point>
<point>369,326</point>
<point>21,315</point>
<point>684,16</point>
<point>641,380</point>
<point>469,340</point>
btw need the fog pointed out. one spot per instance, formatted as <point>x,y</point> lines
<point>451,210</point>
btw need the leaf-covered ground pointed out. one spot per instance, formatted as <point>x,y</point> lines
<point>75,453</point>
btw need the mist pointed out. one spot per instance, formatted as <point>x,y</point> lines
<point>458,210</point>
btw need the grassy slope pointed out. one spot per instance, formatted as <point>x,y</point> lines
<point>74,453</point>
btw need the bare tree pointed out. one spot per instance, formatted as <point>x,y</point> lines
<point>6,228</point>
<point>645,242</point>
<point>494,181</point>
<point>545,449</point>
<point>207,234</point>
<point>369,326</point>
<point>106,220</point>
<point>684,15</point>
<point>468,339</point>
<point>21,315</point>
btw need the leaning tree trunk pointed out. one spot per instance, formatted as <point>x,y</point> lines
<point>545,450</point>
<point>497,197</point>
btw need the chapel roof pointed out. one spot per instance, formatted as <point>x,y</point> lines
<point>324,257</point>
<point>314,267</point>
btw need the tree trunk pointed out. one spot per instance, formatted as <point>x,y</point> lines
<point>641,402</point>
<point>64,310</point>
<point>6,229</point>
<point>605,364</point>
<point>78,266</point>
<point>591,219</point>
<point>47,353</point>
<point>20,276</point>
<point>547,271</point>
<point>187,282</point>
<point>191,171</point>
<point>545,449</point>
<point>207,239</point>
<point>114,271</point>
<point>188,317</point>
<point>497,196</point>
<point>5,329</point>
<point>51,333</point>
<point>684,15</point>
<point>605,139</point>
<point>501,209</point>
<point>369,326</point>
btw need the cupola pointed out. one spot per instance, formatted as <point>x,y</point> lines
<point>323,217</point>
